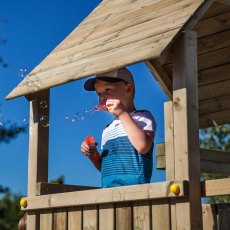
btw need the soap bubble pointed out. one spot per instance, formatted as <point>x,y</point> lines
<point>43,104</point>
<point>44,121</point>
<point>23,72</point>
<point>1,120</point>
<point>82,116</point>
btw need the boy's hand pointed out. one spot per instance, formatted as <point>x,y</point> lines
<point>115,106</point>
<point>88,151</point>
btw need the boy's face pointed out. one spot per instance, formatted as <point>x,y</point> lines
<point>116,90</point>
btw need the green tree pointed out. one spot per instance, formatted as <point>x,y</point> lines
<point>217,138</point>
<point>10,210</point>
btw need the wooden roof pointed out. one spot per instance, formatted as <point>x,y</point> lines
<point>122,32</point>
<point>115,34</point>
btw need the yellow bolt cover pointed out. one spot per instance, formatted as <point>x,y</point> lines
<point>23,202</point>
<point>175,189</point>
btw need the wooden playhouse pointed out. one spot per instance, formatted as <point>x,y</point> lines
<point>186,46</point>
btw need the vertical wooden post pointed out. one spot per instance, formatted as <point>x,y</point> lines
<point>186,129</point>
<point>170,156</point>
<point>38,147</point>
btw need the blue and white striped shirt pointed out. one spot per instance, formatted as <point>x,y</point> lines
<point>121,163</point>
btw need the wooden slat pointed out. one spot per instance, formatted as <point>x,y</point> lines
<point>124,216</point>
<point>141,215</point>
<point>209,217</point>
<point>160,164</point>
<point>215,161</point>
<point>161,215</point>
<point>217,187</point>
<point>46,220</point>
<point>213,25</point>
<point>108,195</point>
<point>213,90</point>
<point>90,217</point>
<point>75,218</point>
<point>215,9</point>
<point>33,221</point>
<point>107,217</point>
<point>214,58</point>
<point>48,188</point>
<point>225,2</point>
<point>215,61</point>
<point>224,216</point>
<point>215,119</point>
<point>60,219</point>
<point>169,141</point>
<point>170,156</point>
<point>186,127</point>
<point>214,105</point>
<point>213,42</point>
<point>214,74</point>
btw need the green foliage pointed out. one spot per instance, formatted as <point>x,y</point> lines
<point>9,133</point>
<point>217,138</point>
<point>10,210</point>
<point>59,180</point>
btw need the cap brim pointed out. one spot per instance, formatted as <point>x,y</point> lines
<point>89,84</point>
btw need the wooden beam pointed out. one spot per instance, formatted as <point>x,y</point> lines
<point>108,195</point>
<point>48,188</point>
<point>212,161</point>
<point>38,148</point>
<point>186,128</point>
<point>217,187</point>
<point>161,76</point>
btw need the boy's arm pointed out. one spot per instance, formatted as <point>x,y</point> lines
<point>96,159</point>
<point>141,139</point>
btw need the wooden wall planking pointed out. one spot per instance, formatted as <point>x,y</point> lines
<point>90,217</point>
<point>107,217</point>
<point>142,215</point>
<point>60,219</point>
<point>213,24</point>
<point>75,218</point>
<point>124,218</point>
<point>46,220</point>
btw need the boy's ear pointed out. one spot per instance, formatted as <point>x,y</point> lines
<point>129,88</point>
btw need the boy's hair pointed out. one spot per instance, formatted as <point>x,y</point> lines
<point>122,74</point>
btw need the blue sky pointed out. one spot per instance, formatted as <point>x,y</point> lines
<point>33,30</point>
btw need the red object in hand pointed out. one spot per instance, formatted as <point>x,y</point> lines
<point>89,140</point>
<point>103,107</point>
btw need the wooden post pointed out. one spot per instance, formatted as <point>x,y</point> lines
<point>170,155</point>
<point>186,129</point>
<point>38,147</point>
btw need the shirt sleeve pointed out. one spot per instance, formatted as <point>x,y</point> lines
<point>145,121</point>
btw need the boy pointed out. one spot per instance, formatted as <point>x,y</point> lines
<point>127,142</point>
